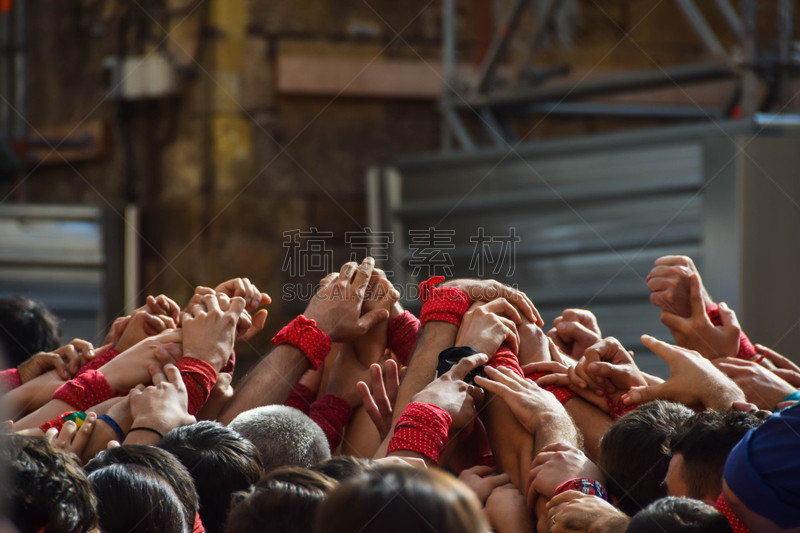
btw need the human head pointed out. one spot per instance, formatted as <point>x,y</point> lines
<point>699,449</point>
<point>135,498</point>
<point>761,474</point>
<point>46,487</point>
<point>159,461</point>
<point>344,467</point>
<point>678,515</point>
<point>284,501</point>
<point>285,436</point>
<point>221,462</point>
<point>26,327</point>
<point>633,455</point>
<point>398,499</point>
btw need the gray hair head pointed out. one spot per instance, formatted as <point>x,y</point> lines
<point>284,436</point>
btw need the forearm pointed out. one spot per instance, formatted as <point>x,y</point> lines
<point>434,337</point>
<point>591,422</point>
<point>31,395</point>
<point>47,412</point>
<point>270,382</point>
<point>512,445</point>
<point>553,428</point>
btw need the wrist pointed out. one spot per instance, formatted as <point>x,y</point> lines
<point>305,334</point>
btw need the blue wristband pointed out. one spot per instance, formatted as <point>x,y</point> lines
<point>111,422</point>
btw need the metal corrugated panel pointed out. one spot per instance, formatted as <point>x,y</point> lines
<point>591,221</point>
<point>54,254</point>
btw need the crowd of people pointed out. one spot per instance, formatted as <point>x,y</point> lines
<point>471,417</point>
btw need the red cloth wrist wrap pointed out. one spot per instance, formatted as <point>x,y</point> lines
<point>197,527</point>
<point>57,422</point>
<point>618,409</point>
<point>746,348</point>
<point>85,390</point>
<point>9,379</point>
<point>583,485</point>
<point>423,429</point>
<point>444,304</point>
<point>505,357</point>
<point>301,398</point>
<point>332,414</point>
<point>199,378</point>
<point>562,394</point>
<point>722,506</point>
<point>98,361</point>
<point>403,333</point>
<point>304,334</point>
<point>230,366</point>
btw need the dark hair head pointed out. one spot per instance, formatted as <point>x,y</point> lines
<point>679,515</point>
<point>221,462</point>
<point>633,456</point>
<point>46,487</point>
<point>285,436</point>
<point>159,461</point>
<point>284,501</point>
<point>398,499</point>
<point>26,327</point>
<point>134,498</point>
<point>344,467</point>
<point>704,441</point>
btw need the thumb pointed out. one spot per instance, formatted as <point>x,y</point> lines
<point>665,351</point>
<point>673,321</point>
<point>727,316</point>
<point>372,318</point>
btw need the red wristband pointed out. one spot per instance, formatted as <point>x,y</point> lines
<point>332,414</point>
<point>505,357</point>
<point>98,361</point>
<point>562,394</point>
<point>304,334</point>
<point>57,422</point>
<point>618,409</point>
<point>444,304</point>
<point>722,506</point>
<point>85,391</point>
<point>583,485</point>
<point>301,398</point>
<point>199,377</point>
<point>230,366</point>
<point>423,429</point>
<point>9,379</point>
<point>403,333</point>
<point>746,348</point>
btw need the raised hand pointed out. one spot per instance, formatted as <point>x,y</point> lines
<point>575,512</point>
<point>450,392</point>
<point>131,367</point>
<point>669,286</point>
<point>784,368</point>
<point>379,399</point>
<point>209,328</point>
<point>760,385</point>
<point>66,360</point>
<point>693,380</point>
<point>555,464</point>
<point>698,333</point>
<point>486,326</point>
<point>574,331</point>
<point>163,405</point>
<point>337,306</point>
<point>71,438</point>
<point>371,346</point>
<point>157,315</point>
<point>529,403</point>
<point>253,299</point>
<point>482,480</point>
<point>487,290</point>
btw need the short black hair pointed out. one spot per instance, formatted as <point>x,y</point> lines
<point>46,488</point>
<point>162,463</point>
<point>135,498</point>
<point>26,327</point>
<point>704,441</point>
<point>221,462</point>
<point>344,467</point>
<point>633,456</point>
<point>679,515</point>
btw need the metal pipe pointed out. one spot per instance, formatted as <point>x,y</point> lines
<point>731,18</point>
<point>499,46</point>
<point>633,81</point>
<point>749,78</point>
<point>785,38</point>
<point>20,73</point>
<point>449,58</point>
<point>535,38</point>
<point>703,30</point>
